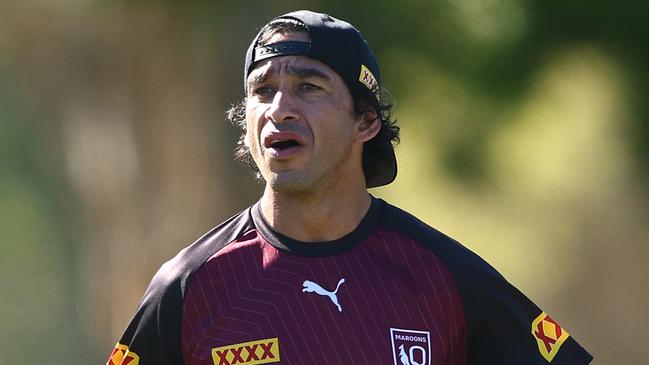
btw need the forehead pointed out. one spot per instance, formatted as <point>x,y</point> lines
<point>299,66</point>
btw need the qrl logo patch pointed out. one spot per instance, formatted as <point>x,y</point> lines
<point>247,353</point>
<point>121,355</point>
<point>549,336</point>
<point>410,347</point>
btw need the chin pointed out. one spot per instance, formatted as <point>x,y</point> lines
<point>289,182</point>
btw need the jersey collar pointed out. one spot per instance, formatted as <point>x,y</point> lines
<point>324,248</point>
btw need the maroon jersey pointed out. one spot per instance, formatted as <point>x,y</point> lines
<point>393,291</point>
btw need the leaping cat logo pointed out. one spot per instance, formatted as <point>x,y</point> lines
<point>311,287</point>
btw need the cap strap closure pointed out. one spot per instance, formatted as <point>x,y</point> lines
<point>281,49</point>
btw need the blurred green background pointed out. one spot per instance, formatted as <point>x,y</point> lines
<point>525,135</point>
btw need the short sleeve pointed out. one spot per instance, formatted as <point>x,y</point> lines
<point>507,328</point>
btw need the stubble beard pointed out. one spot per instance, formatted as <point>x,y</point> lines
<point>289,182</point>
<point>312,176</point>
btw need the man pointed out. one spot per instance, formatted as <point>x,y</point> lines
<point>319,271</point>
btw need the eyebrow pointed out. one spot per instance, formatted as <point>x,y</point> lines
<point>307,72</point>
<point>302,72</point>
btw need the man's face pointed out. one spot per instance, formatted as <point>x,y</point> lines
<point>301,127</point>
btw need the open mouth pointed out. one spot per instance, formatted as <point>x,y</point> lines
<point>282,145</point>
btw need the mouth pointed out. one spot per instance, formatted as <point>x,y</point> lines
<point>283,144</point>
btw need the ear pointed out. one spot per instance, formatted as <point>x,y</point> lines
<point>369,126</point>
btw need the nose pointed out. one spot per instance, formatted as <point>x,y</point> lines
<point>283,107</point>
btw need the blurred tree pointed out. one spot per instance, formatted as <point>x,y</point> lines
<point>38,265</point>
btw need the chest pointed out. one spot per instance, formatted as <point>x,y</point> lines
<point>361,307</point>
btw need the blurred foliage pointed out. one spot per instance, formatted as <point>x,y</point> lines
<point>37,258</point>
<point>524,126</point>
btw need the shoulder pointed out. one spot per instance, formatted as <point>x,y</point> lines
<point>458,258</point>
<point>154,330</point>
<point>477,282</point>
<point>481,286</point>
<point>174,273</point>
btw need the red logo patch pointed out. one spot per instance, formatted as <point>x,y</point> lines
<point>549,336</point>
<point>121,355</point>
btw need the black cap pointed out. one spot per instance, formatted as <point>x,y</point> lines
<point>342,47</point>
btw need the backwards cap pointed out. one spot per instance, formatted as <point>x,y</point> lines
<point>342,47</point>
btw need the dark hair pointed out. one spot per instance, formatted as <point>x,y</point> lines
<point>373,150</point>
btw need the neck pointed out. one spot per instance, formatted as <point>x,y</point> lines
<point>313,217</point>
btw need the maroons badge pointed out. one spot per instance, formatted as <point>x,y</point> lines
<point>410,347</point>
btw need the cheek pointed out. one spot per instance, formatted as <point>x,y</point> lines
<point>338,127</point>
<point>252,131</point>
<point>339,118</point>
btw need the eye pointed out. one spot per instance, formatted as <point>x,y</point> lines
<point>307,86</point>
<point>263,91</point>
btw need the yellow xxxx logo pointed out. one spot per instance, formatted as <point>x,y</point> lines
<point>248,353</point>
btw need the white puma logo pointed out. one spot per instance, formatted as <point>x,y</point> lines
<point>311,287</point>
